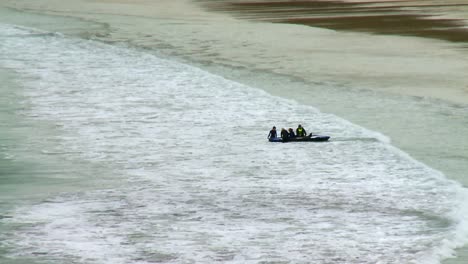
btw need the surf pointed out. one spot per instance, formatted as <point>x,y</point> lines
<point>183,171</point>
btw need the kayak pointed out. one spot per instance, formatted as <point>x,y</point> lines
<point>315,138</point>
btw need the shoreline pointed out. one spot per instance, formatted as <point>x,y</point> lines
<point>346,63</point>
<point>301,59</point>
<point>383,62</point>
<point>209,46</point>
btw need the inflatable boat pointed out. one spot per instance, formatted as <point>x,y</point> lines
<point>314,138</point>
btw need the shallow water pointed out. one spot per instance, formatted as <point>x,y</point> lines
<point>182,171</point>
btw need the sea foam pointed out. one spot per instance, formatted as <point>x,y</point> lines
<point>194,178</point>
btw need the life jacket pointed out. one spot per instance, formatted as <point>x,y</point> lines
<point>300,132</point>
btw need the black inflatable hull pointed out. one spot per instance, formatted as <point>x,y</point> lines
<point>302,139</point>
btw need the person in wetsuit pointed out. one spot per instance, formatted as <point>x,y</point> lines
<point>291,133</point>
<point>272,133</point>
<point>284,135</point>
<point>300,131</point>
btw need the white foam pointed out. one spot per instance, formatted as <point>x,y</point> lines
<point>197,180</point>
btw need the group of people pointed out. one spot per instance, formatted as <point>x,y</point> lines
<point>286,134</point>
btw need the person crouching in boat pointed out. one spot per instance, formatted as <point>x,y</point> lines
<point>284,135</point>
<point>300,131</point>
<point>291,133</point>
<point>272,133</point>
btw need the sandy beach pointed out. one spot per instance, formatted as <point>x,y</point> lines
<point>219,36</point>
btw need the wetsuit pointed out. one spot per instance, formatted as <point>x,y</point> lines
<point>284,135</point>
<point>272,134</point>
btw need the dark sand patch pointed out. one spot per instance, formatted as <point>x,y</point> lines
<point>404,18</point>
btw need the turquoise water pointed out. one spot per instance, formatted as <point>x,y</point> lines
<point>29,172</point>
<point>19,166</point>
<point>97,165</point>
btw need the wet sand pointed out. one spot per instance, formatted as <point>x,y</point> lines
<point>202,31</point>
<point>404,18</point>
